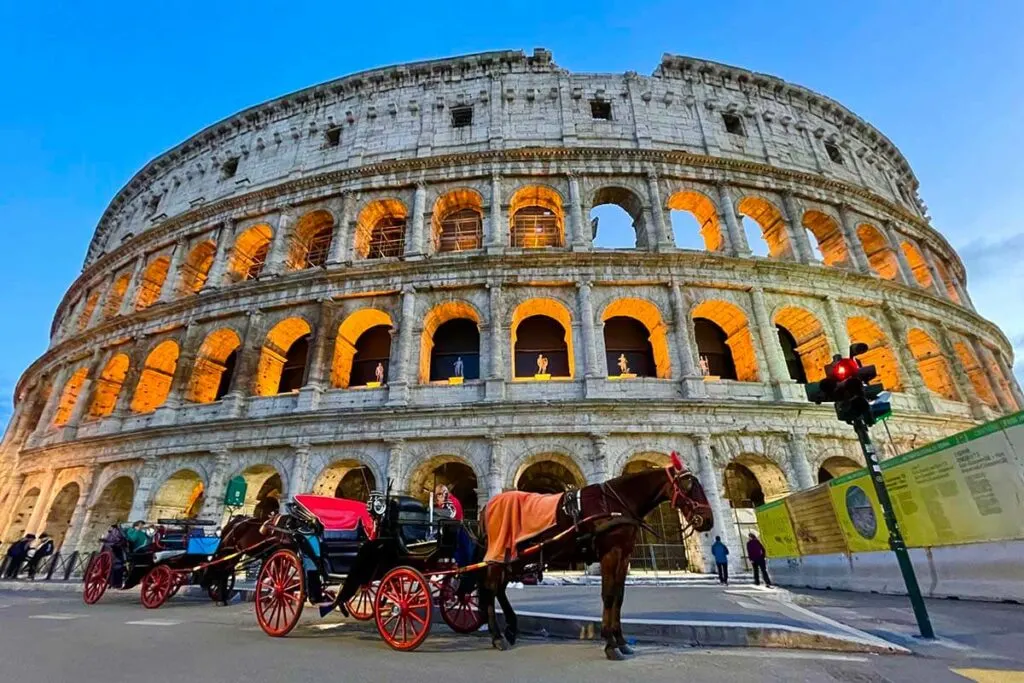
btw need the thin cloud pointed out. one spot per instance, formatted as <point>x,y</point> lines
<point>986,259</point>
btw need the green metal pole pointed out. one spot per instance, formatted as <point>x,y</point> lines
<point>924,624</point>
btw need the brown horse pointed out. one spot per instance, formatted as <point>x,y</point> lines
<point>619,506</point>
<point>242,540</point>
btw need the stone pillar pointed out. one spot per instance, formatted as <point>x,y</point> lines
<point>848,223</point>
<point>128,302</point>
<point>340,248</point>
<point>599,458</point>
<point>497,373</point>
<point>216,488</point>
<point>582,237</point>
<point>798,461</point>
<point>736,234</point>
<point>37,520</point>
<point>778,372</point>
<point>801,245</point>
<point>144,490</point>
<point>838,324</point>
<point>589,341</point>
<point>278,252</point>
<point>414,247</point>
<point>496,471</point>
<point>964,384</point>
<point>498,237</point>
<point>241,385</point>
<point>993,379</point>
<point>1011,381</point>
<point>398,380</point>
<point>46,417</point>
<point>300,468</point>
<point>73,537</point>
<point>965,298</point>
<point>318,374</point>
<point>170,286</point>
<point>906,272</point>
<point>395,467</point>
<point>663,241</point>
<point>938,284</point>
<point>136,361</point>
<point>101,302</point>
<point>725,522</point>
<point>15,485</point>
<point>906,360</point>
<point>690,380</point>
<point>219,267</point>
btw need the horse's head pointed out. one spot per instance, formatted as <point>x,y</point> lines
<point>688,496</point>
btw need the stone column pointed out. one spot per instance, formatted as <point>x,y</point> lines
<point>340,247</point>
<point>216,488</point>
<point>278,252</point>
<point>496,471</point>
<point>778,372</point>
<point>1011,381</point>
<point>219,267</point>
<point>398,380</point>
<point>144,490</point>
<point>136,361</point>
<point>938,284</point>
<point>858,257</point>
<point>736,234</point>
<point>906,272</point>
<point>241,385</point>
<point>394,468</point>
<point>725,522</point>
<point>582,238</point>
<point>300,468</point>
<point>37,520</point>
<point>589,341</point>
<point>838,324</point>
<point>497,373</point>
<point>15,485</point>
<point>599,458</point>
<point>798,461</point>
<point>414,247</point>
<point>128,302</point>
<point>684,340</point>
<point>170,286</point>
<point>965,298</point>
<point>906,360</point>
<point>986,362</point>
<point>101,302</point>
<point>964,384</point>
<point>663,240</point>
<point>498,237</point>
<point>46,417</point>
<point>73,537</point>
<point>801,245</point>
<point>318,375</point>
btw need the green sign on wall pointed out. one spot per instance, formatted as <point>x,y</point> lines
<point>235,495</point>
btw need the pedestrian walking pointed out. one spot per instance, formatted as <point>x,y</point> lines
<point>42,550</point>
<point>758,558</point>
<point>721,554</point>
<point>16,555</point>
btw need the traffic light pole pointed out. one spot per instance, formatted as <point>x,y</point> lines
<point>924,624</point>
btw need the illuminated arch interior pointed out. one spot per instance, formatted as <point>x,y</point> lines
<point>769,220</point>
<point>549,473</point>
<point>380,229</point>
<point>311,241</point>
<point>153,277</point>
<point>196,267</point>
<point>648,316</point>
<point>705,213</point>
<point>732,322</point>
<point>458,221</point>
<point>155,381</point>
<point>69,396</point>
<point>536,218</point>
<point>932,365</point>
<point>180,497</point>
<point>976,373</point>
<point>837,466</point>
<point>346,479</point>
<point>108,386</point>
<point>214,367</point>
<point>345,347</point>
<point>540,337</point>
<point>249,255</point>
<point>460,341</point>
<point>87,310</point>
<point>282,363</point>
<point>917,264</point>
<point>116,295</point>
<point>828,236</point>
<point>879,354</point>
<point>752,480</point>
<point>881,256</point>
<point>811,351</point>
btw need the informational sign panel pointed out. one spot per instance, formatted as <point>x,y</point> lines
<point>776,529</point>
<point>858,512</point>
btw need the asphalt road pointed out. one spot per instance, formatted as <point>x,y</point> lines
<point>46,637</point>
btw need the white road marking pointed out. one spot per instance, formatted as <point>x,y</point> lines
<point>153,622</point>
<point>777,654</point>
<point>57,617</point>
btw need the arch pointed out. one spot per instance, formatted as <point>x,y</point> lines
<point>380,229</point>
<point>346,478</point>
<point>152,282</point>
<point>769,219</point>
<point>751,480</point>
<point>917,264</point>
<point>157,375</point>
<point>356,357</point>
<point>179,497</point>
<point>109,385</point>
<point>536,218</point>
<point>87,310</point>
<point>724,342</point>
<point>196,267</point>
<point>452,471</point>
<point>22,515</point>
<point>282,364</point>
<point>549,473</point>
<point>112,506</point>
<point>807,349</point>
<point>932,365</point>
<point>879,354</point>
<point>115,296</point>
<point>881,257</point>
<point>34,413</point>
<point>976,373</point>
<point>542,336</point>
<point>450,331</point>
<point>311,240</point>
<point>631,207</point>
<point>458,221</point>
<point>58,519</point>
<point>649,317</point>
<point>829,237</point>
<point>947,281</point>
<point>264,489</point>
<point>215,366</point>
<point>69,396</point>
<point>249,254</point>
<point>668,545</point>
<point>705,213</point>
<point>837,466</point>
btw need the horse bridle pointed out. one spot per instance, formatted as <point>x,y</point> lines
<point>681,481</point>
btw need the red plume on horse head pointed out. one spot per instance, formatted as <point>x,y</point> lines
<point>677,462</point>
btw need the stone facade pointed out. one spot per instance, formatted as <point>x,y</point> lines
<point>315,219</point>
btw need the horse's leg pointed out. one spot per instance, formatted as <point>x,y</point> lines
<point>488,589</point>
<point>620,594</point>
<point>610,561</point>
<point>511,620</point>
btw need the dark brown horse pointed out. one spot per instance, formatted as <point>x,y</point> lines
<point>619,507</point>
<point>241,540</point>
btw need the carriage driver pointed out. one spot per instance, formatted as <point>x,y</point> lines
<point>446,503</point>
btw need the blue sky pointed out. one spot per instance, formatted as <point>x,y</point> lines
<point>89,92</point>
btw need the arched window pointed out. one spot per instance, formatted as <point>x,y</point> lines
<point>456,346</point>
<point>536,217</point>
<point>715,355</point>
<point>87,310</point>
<point>803,344</point>
<point>380,229</point>
<point>881,257</point>
<point>108,386</point>
<point>215,366</point>
<point>250,252</point>
<point>69,397</point>
<point>617,219</point>
<point>196,267</point>
<point>628,348</point>
<point>461,230</point>
<point>789,352</point>
<point>771,228</point>
<point>701,210</point>
<point>825,231</point>
<point>540,336</point>
<point>155,381</point>
<point>836,466</point>
<point>917,264</point>
<point>293,371</point>
<point>549,476</point>
<point>116,296</point>
<point>311,241</point>
<point>879,352</point>
<point>932,365</point>
<point>752,480</point>
<point>152,282</point>
<point>282,364</point>
<point>372,349</point>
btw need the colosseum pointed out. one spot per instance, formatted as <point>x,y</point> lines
<point>398,276</point>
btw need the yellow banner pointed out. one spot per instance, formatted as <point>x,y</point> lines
<point>859,512</point>
<point>776,529</point>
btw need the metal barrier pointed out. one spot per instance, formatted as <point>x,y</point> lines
<point>55,567</point>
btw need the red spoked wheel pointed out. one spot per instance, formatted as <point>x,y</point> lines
<point>361,604</point>
<point>97,577</point>
<point>157,586</point>
<point>280,593</point>
<point>403,608</point>
<point>461,612</point>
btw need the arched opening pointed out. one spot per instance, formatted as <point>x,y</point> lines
<point>725,346</point>
<point>450,343</point>
<point>264,488</point>
<point>22,515</point>
<point>116,295</point>
<point>363,343</point>
<point>346,479</point>
<point>58,519</point>
<point>753,480</point>
<point>665,549</point>
<point>282,364</point>
<point>196,267</point>
<point>380,229</point>
<point>458,221</point>
<point>804,344</point>
<point>879,352</point>
<point>311,241</point>
<point>249,255</point>
<point>837,466</point>
<point>550,474</point>
<point>976,373</point>
<point>649,318</point>
<point>932,365</point>
<point>87,310</point>
<point>881,257</point>
<point>768,236</point>
<point>628,348</point>
<point>536,218</point>
<point>617,219</point>
<point>543,347</point>
<point>703,211</point>
<point>449,471</point>
<point>108,386</point>
<point>112,506</point>
<point>152,282</point>
<point>179,497</point>
<point>827,236</point>
<point>34,413</point>
<point>215,366</point>
<point>917,265</point>
<point>69,397</point>
<point>947,281</point>
<point>156,378</point>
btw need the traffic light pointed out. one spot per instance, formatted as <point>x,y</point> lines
<point>847,385</point>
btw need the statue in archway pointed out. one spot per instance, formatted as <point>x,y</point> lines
<point>542,364</point>
<point>378,372</point>
<point>459,367</point>
<point>623,364</point>
<point>705,369</point>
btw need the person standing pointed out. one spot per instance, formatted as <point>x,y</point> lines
<point>759,559</point>
<point>43,550</point>
<point>721,554</point>
<point>16,555</point>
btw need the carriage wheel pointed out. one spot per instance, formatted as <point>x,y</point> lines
<point>157,586</point>
<point>214,590</point>
<point>403,608</point>
<point>461,612</point>
<point>280,593</point>
<point>180,579</point>
<point>97,577</point>
<point>361,604</point>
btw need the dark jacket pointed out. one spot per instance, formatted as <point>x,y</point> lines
<point>755,550</point>
<point>45,549</point>
<point>18,550</point>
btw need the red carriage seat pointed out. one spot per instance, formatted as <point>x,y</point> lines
<point>337,514</point>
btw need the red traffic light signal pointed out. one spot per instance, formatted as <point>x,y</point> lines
<point>845,369</point>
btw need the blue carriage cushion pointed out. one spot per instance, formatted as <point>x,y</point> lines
<point>203,545</point>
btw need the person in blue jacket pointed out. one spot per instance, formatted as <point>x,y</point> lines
<point>721,554</point>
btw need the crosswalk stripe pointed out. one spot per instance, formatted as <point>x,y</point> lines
<point>56,617</point>
<point>153,622</point>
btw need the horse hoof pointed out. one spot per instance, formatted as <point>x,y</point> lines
<point>626,650</point>
<point>500,644</point>
<point>614,655</point>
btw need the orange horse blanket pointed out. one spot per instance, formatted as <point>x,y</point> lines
<point>516,516</point>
